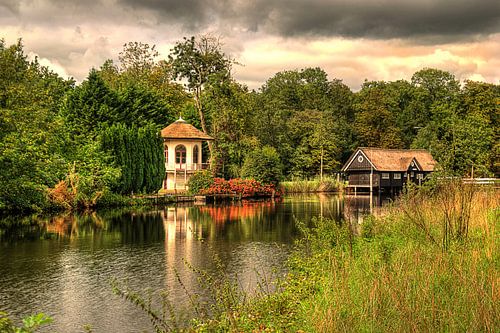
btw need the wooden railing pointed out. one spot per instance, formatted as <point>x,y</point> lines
<point>187,167</point>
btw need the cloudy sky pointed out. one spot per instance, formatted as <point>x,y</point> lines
<point>352,40</point>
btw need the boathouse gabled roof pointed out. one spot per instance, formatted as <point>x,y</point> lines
<point>391,159</point>
<point>180,129</point>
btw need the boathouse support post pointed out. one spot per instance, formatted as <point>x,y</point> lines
<point>371,180</point>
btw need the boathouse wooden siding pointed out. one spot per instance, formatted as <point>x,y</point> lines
<point>387,168</point>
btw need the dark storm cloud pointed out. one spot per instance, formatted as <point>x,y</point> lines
<point>433,20</point>
<point>191,14</point>
<point>383,19</point>
<point>387,18</point>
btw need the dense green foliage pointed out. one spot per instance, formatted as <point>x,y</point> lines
<point>139,154</point>
<point>200,181</point>
<point>299,124</point>
<point>263,164</point>
<point>50,150</point>
<point>31,139</point>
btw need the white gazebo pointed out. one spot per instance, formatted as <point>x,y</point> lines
<point>183,153</point>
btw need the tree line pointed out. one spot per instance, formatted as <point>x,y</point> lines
<point>101,135</point>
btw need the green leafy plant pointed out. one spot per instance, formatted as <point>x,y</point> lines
<point>31,323</point>
<point>200,181</point>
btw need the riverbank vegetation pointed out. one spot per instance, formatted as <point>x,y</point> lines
<point>327,184</point>
<point>431,263</point>
<point>86,137</point>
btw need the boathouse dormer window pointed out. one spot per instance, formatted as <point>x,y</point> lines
<point>195,154</point>
<point>180,154</point>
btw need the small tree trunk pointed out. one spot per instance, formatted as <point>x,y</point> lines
<point>199,107</point>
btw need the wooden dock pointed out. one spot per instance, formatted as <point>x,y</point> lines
<point>167,198</point>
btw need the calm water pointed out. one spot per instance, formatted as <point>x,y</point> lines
<point>63,266</point>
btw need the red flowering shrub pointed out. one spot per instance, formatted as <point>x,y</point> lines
<point>247,188</point>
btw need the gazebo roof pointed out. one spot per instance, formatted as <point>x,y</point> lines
<point>180,129</point>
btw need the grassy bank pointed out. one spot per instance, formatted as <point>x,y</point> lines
<point>432,263</point>
<point>328,184</point>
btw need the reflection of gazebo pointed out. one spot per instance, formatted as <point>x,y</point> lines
<point>183,153</point>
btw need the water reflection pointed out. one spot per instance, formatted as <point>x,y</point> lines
<point>62,265</point>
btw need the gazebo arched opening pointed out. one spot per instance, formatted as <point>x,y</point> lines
<point>180,154</point>
<point>195,155</point>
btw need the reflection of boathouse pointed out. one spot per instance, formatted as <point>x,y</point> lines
<point>377,168</point>
<point>183,153</point>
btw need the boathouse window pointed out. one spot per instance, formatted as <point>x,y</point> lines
<point>420,176</point>
<point>385,176</point>
<point>397,176</point>
<point>166,154</point>
<point>180,154</point>
<point>195,154</point>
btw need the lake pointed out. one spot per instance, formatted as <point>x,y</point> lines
<point>63,265</point>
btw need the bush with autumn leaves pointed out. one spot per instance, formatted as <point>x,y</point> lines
<point>246,188</point>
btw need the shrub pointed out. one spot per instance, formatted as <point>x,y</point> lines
<point>201,180</point>
<point>264,165</point>
<point>246,188</point>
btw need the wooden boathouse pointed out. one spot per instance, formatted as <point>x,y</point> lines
<point>370,169</point>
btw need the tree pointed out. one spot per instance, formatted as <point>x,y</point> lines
<point>461,135</point>
<point>137,59</point>
<point>30,137</point>
<point>283,95</point>
<point>90,105</point>
<point>139,155</point>
<point>264,165</point>
<point>229,116</point>
<point>140,106</point>
<point>343,117</point>
<point>317,151</point>
<point>375,117</point>
<point>138,69</point>
<point>199,60</point>
<point>481,101</point>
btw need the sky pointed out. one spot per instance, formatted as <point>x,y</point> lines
<point>352,40</point>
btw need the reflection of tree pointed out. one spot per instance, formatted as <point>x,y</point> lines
<point>106,227</point>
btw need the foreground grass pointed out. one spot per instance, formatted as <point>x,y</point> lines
<point>432,263</point>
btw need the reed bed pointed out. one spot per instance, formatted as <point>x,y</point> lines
<point>328,184</point>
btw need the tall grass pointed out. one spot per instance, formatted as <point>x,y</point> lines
<point>431,264</point>
<point>328,184</point>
